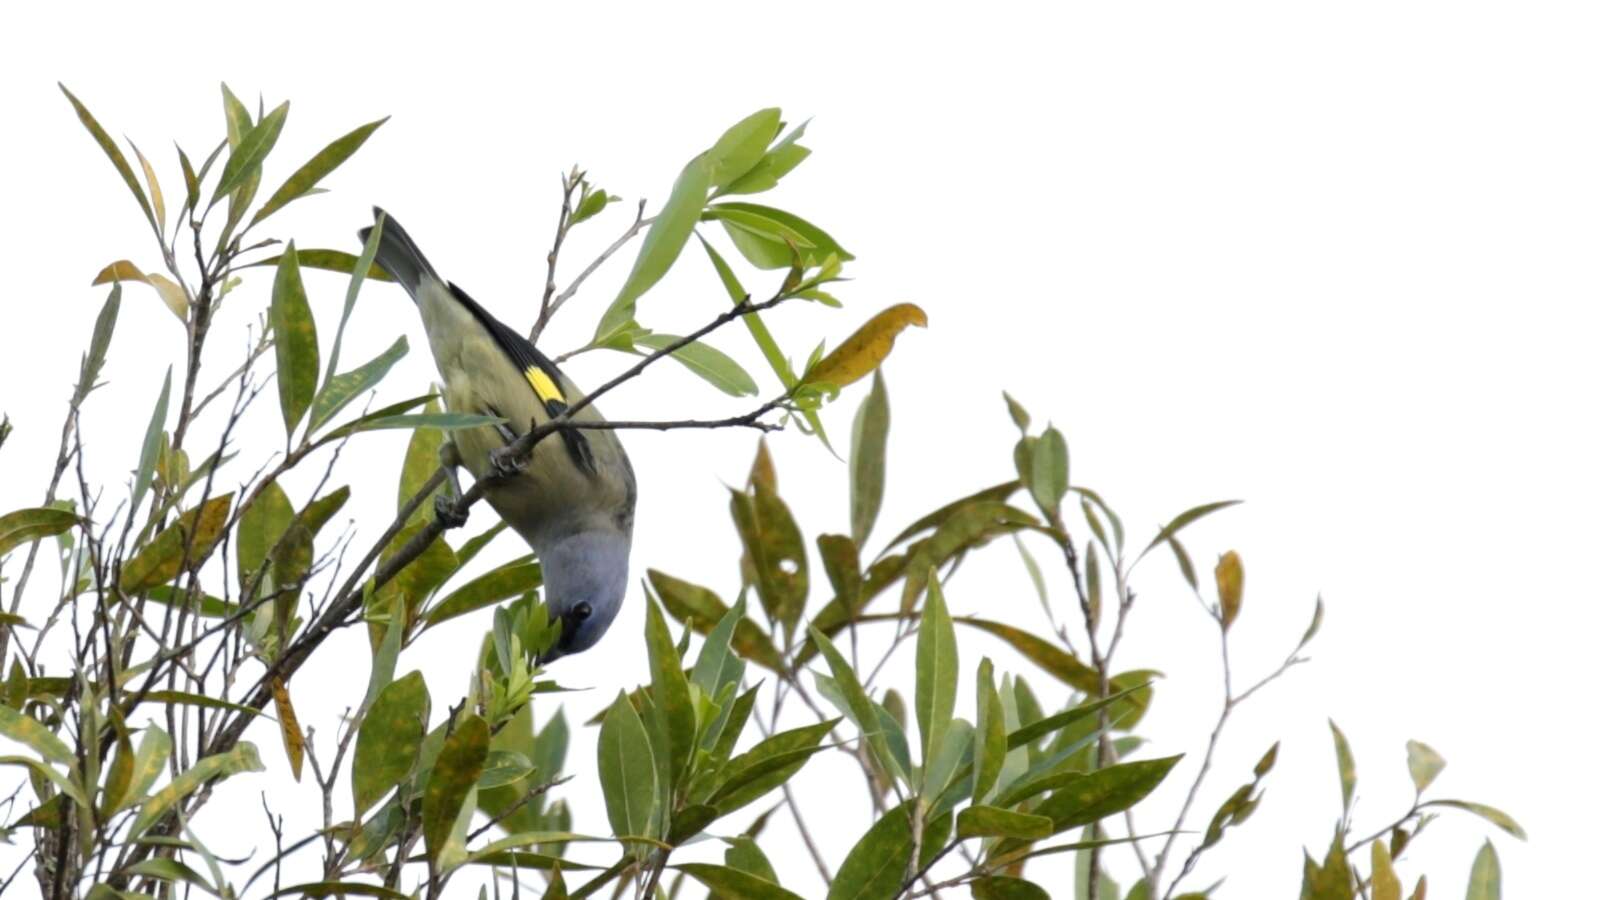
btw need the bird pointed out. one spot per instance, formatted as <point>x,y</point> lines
<point>573,501</point>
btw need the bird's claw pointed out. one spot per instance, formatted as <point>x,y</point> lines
<point>504,463</point>
<point>445,508</point>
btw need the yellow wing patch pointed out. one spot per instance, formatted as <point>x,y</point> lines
<point>543,385</point>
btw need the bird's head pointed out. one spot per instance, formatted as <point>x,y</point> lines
<point>586,577</point>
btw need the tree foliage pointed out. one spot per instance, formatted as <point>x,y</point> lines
<point>181,622</point>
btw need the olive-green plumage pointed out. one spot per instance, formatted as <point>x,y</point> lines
<point>573,502</point>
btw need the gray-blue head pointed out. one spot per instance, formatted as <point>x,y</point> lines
<point>586,577</point>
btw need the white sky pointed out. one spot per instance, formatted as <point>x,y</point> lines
<point>1338,261</point>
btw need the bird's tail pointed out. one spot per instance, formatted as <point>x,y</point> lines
<point>398,254</point>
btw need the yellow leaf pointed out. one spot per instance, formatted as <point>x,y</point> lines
<point>155,191</point>
<point>190,538</point>
<point>1230,586</point>
<point>171,294</point>
<point>865,350</point>
<point>294,741</point>
<point>1385,883</point>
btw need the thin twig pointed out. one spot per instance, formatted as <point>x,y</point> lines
<point>639,222</point>
<point>569,183</point>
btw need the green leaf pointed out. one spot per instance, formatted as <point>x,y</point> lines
<point>1316,624</point>
<point>1004,887</point>
<point>119,777</point>
<point>40,770</point>
<point>821,245</point>
<point>418,465</point>
<point>1425,764</point>
<point>358,275</point>
<point>188,698</point>
<point>113,153</point>
<point>188,540</point>
<point>954,753</point>
<point>422,576</point>
<point>1332,879</point>
<point>261,525</point>
<point>1347,766</point>
<point>591,206</point>
<point>475,544</point>
<point>842,563</point>
<point>244,160</point>
<point>627,770</point>
<point>989,740</point>
<point>150,449</point>
<point>868,447</point>
<point>779,161</point>
<point>1186,518</point>
<point>171,870</point>
<point>1101,793</point>
<point>706,361</point>
<point>1019,415</point>
<point>1385,883</point>
<point>454,775</point>
<point>673,707</point>
<point>509,804</point>
<point>764,243</point>
<point>504,583</point>
<point>734,884</point>
<point>242,758</point>
<point>743,854</point>
<point>937,671</point>
<point>742,146</point>
<point>25,729</point>
<point>1484,883</point>
<point>149,761</point>
<point>1047,478</point>
<point>504,767</point>
<point>1058,662</point>
<point>762,336</point>
<point>860,707</point>
<point>1505,822</point>
<point>767,765</point>
<point>662,244</point>
<point>717,665</point>
<point>996,494</point>
<point>99,342</point>
<point>345,387</point>
<point>389,740</point>
<point>732,725</point>
<point>688,602</point>
<point>879,862</point>
<point>992,821</point>
<point>295,339</point>
<point>25,526</point>
<point>1050,724</point>
<point>776,551</point>
<point>966,529</point>
<point>328,261</point>
<point>316,168</point>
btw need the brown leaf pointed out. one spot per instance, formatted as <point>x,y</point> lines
<point>294,740</point>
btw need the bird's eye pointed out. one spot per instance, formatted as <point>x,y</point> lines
<point>582,611</point>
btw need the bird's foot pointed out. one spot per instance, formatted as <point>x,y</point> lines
<point>445,508</point>
<point>504,464</point>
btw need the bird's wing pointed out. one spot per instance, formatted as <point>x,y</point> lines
<point>543,378</point>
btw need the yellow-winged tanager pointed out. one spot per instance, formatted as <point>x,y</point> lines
<point>573,501</point>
